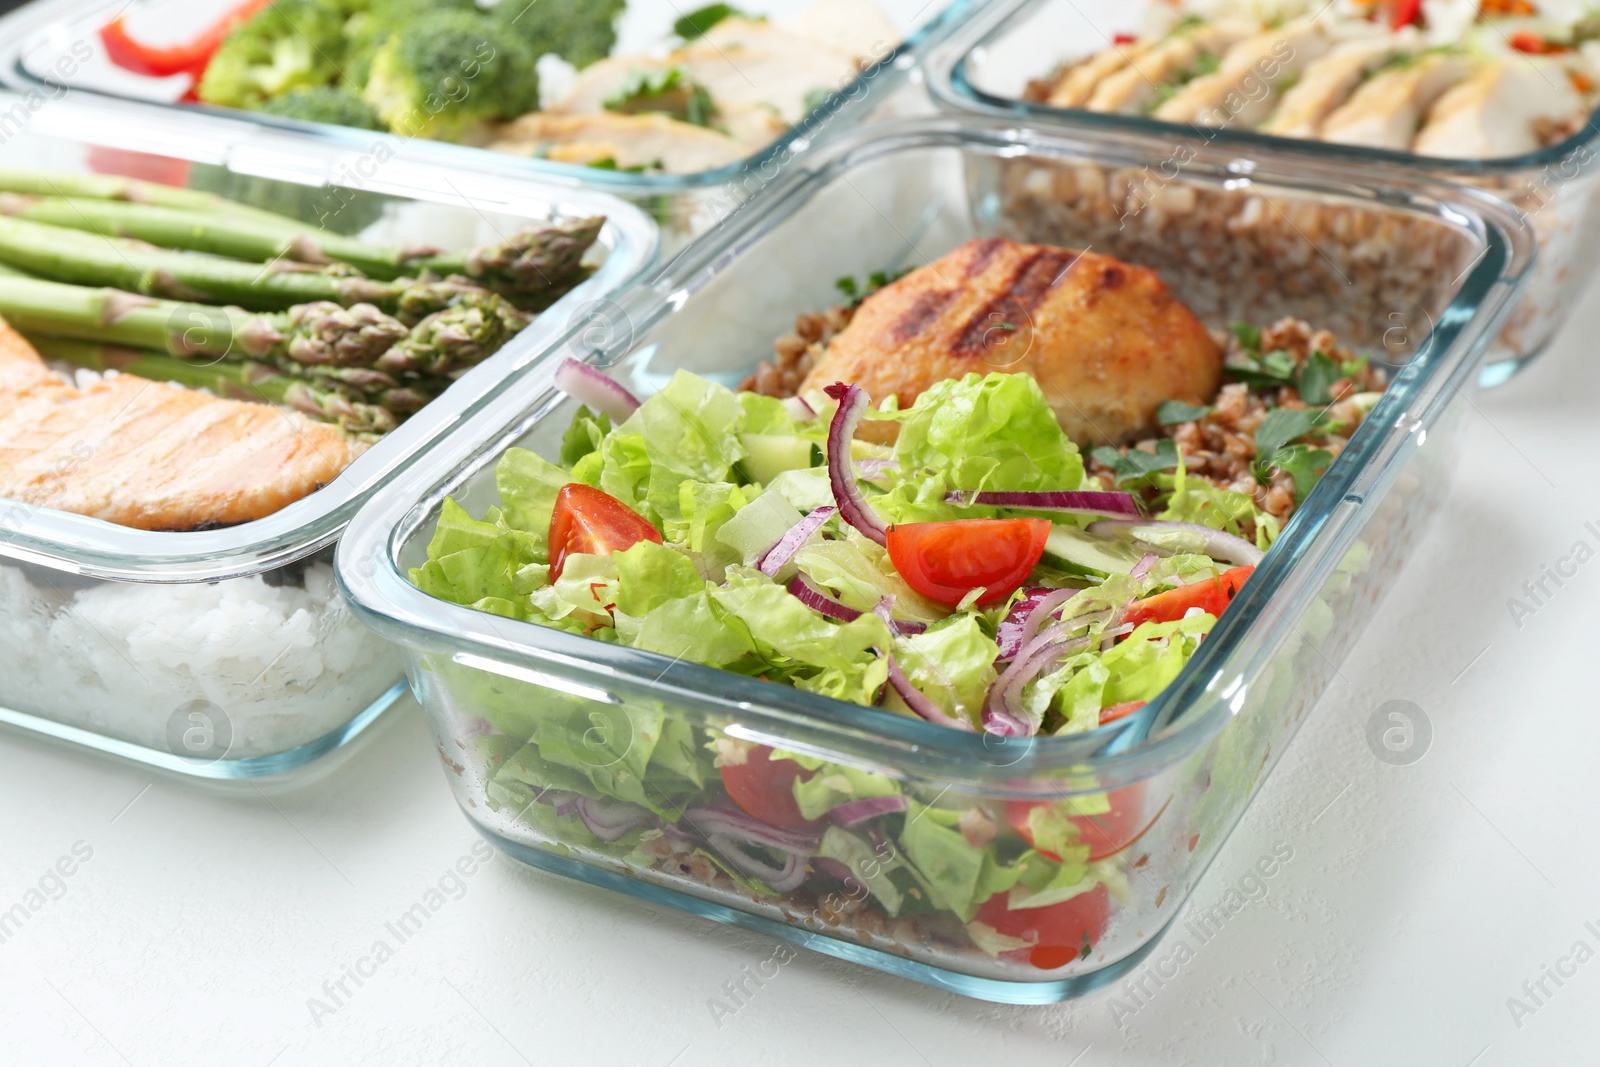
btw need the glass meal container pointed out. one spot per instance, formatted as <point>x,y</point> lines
<point>53,43</point>
<point>226,653</point>
<point>542,731</point>
<point>985,68</point>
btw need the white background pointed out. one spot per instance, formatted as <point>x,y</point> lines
<point>1418,900</point>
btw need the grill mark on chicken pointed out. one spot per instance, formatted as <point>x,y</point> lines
<point>1013,309</point>
<point>922,314</point>
<point>983,253</point>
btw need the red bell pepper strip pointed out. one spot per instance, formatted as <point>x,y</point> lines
<point>190,57</point>
<point>1405,13</point>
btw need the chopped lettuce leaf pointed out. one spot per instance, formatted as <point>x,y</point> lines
<point>980,432</point>
<point>959,877</point>
<point>952,664</point>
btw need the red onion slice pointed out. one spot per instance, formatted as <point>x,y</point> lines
<point>588,385</point>
<point>785,879</point>
<point>610,820</point>
<point>1075,502</point>
<point>1003,713</point>
<point>853,506</point>
<point>918,703</point>
<point>1141,568</point>
<point>791,542</point>
<point>725,822</point>
<point>799,409</point>
<point>1109,635</point>
<point>853,813</point>
<point>1218,544</point>
<point>808,594</point>
<point>1047,605</point>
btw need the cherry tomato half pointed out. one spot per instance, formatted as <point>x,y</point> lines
<point>1106,834</point>
<point>1212,596</point>
<point>944,561</point>
<point>587,520</point>
<point>1058,933</point>
<point>764,788</point>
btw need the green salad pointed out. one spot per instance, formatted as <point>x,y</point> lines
<point>970,574</point>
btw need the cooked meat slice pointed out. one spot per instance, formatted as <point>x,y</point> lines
<point>626,140</point>
<point>1137,86</point>
<point>1079,82</point>
<point>1384,111</point>
<point>1106,340</point>
<point>1242,90</point>
<point>151,455</point>
<point>1328,82</point>
<point>1496,112</point>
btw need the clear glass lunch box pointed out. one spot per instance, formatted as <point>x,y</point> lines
<point>985,67</point>
<point>226,653</point>
<point>527,719</point>
<point>52,43</point>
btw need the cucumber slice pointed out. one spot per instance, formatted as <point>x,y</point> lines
<point>769,455</point>
<point>1070,549</point>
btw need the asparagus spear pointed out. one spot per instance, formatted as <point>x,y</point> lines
<point>241,237</point>
<point>534,260</point>
<point>130,190</point>
<point>89,259</point>
<point>448,342</point>
<point>243,380</point>
<point>317,333</point>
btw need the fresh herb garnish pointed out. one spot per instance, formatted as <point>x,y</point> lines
<point>854,292</point>
<point>1136,465</point>
<point>1316,378</point>
<point>1173,412</point>
<point>1303,463</point>
<point>1276,368</point>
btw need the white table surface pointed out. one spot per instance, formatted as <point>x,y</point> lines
<point>1418,900</point>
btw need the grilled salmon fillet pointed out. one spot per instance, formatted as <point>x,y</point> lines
<point>1106,340</point>
<point>150,455</point>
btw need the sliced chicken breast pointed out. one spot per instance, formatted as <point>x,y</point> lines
<point>1137,86</point>
<point>1494,113</point>
<point>1326,84</point>
<point>1385,111</point>
<point>626,140</point>
<point>1078,84</point>
<point>1243,91</point>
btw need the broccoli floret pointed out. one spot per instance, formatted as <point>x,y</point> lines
<point>291,44</point>
<point>446,73</point>
<point>379,20</point>
<point>334,105</point>
<point>579,31</point>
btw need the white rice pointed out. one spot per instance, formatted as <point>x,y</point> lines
<point>278,666</point>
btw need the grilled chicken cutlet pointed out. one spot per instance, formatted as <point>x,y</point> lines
<point>1106,341</point>
<point>150,455</point>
